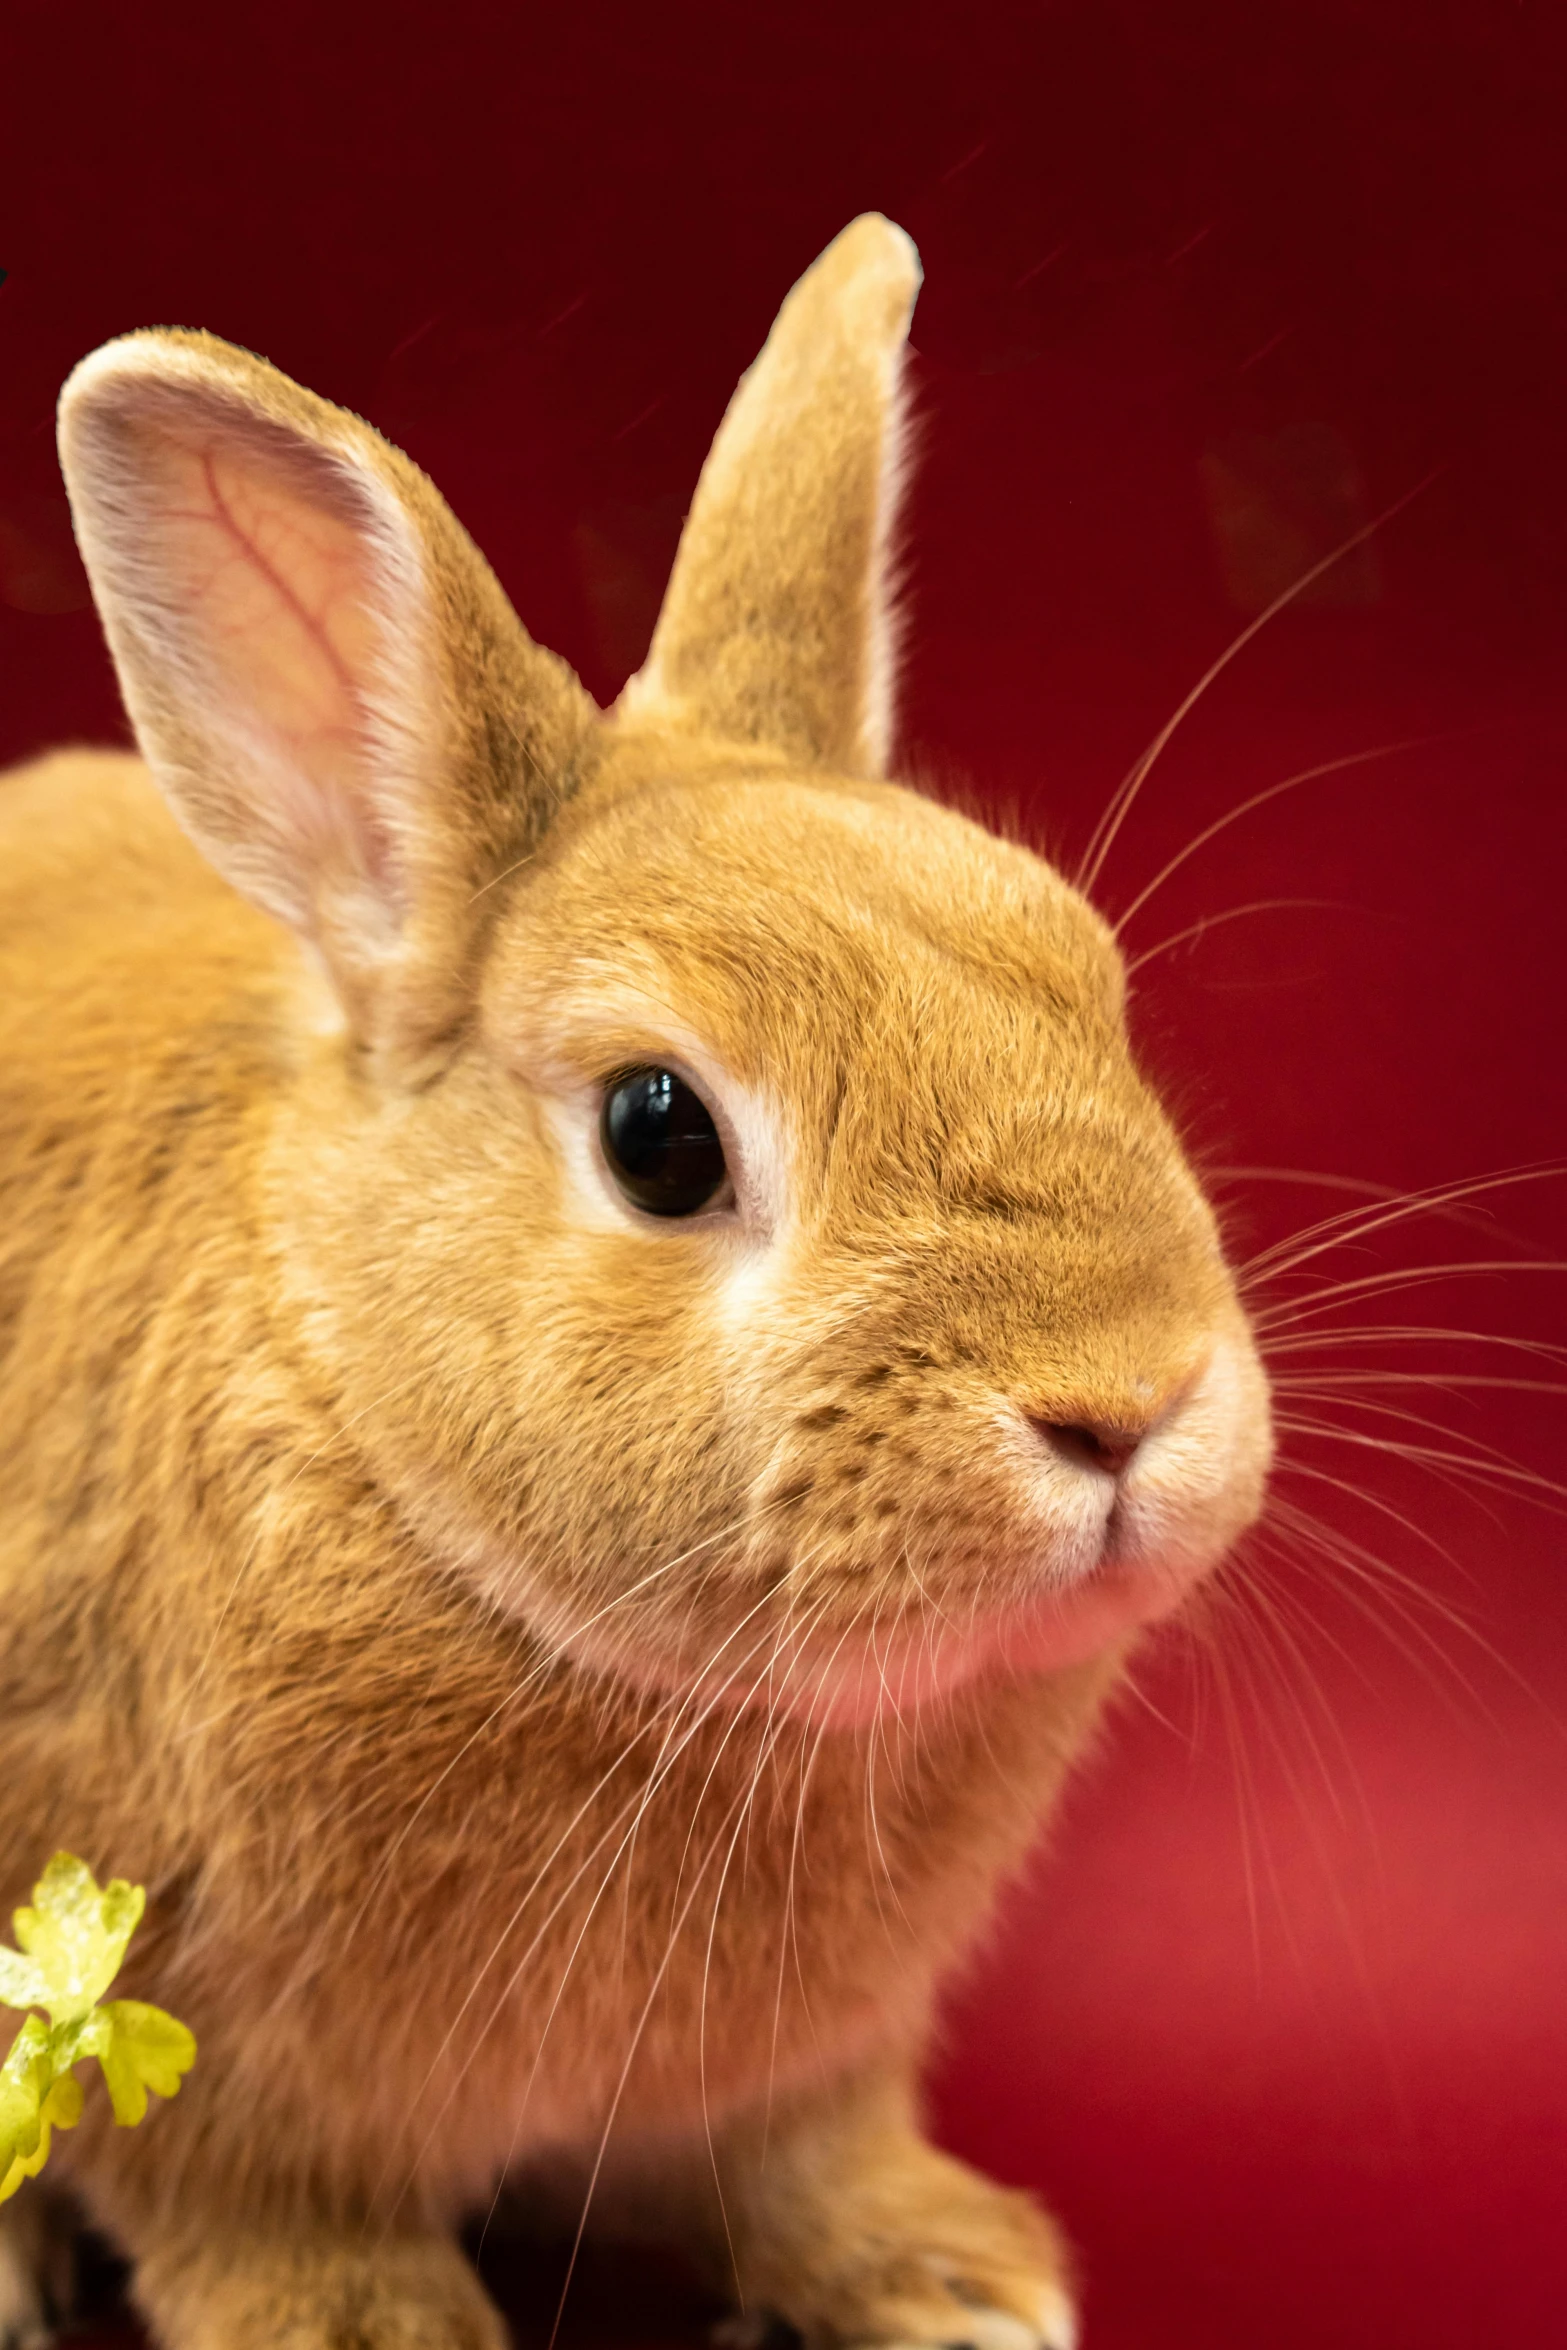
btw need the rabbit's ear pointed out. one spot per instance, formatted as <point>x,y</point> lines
<point>322,671</point>
<point>776,627</point>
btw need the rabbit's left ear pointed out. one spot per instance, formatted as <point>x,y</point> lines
<point>323,673</point>
<point>776,628</point>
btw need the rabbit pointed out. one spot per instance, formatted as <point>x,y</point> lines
<point>604,1356</point>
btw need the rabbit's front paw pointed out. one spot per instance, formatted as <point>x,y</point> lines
<point>952,2314</point>
<point>873,2240</point>
<point>309,2292</point>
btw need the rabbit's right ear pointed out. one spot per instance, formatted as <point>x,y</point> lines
<point>323,673</point>
<point>777,626</point>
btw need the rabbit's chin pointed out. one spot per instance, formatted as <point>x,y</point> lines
<point>861,1671</point>
<point>925,1661</point>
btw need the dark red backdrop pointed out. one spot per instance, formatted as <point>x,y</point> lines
<point>1280,2024</point>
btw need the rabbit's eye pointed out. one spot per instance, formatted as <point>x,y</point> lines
<point>660,1144</point>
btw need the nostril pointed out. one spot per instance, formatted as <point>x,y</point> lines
<point>1090,1445</point>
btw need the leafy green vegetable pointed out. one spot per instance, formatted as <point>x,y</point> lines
<point>72,1943</point>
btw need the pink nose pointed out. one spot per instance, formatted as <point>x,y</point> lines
<point>1089,1444</point>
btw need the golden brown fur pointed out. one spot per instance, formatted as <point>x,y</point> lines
<point>570,1684</point>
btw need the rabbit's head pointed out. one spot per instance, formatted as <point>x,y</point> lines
<point>713,1183</point>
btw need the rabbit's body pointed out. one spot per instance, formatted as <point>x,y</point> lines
<point>570,1676</point>
<point>233,1668</point>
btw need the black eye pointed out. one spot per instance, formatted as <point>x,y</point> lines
<point>661,1145</point>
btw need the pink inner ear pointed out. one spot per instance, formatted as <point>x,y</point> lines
<point>274,592</point>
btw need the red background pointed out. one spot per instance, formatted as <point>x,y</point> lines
<point>1280,2023</point>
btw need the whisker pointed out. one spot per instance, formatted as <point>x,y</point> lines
<point>550,1661</point>
<point>1251,1816</point>
<point>1339,1386</point>
<point>1489,1466</point>
<point>1368,1568</point>
<point>1421,1652</point>
<point>642,1800</point>
<point>764,1755</point>
<point>1351,1225</point>
<point>1269,1546</point>
<point>1103,837</point>
<point>1290,1465</point>
<point>1267,1617</point>
<point>641,2024</point>
<point>1478,1456</point>
<point>639,1798</point>
<point>1260,799</point>
<point>1207,922</point>
<point>1281,1652</point>
<point>620,2086</point>
<point>1362,1185</point>
<point>789,1938</point>
<point>1396,1277</point>
<point>1407,1334</point>
<point>877,1737</point>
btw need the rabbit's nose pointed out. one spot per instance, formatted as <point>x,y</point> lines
<point>1104,1445</point>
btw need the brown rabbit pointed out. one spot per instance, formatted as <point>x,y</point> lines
<point>601,1351</point>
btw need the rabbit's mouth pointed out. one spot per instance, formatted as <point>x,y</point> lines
<point>1033,1542</point>
<point>908,1665</point>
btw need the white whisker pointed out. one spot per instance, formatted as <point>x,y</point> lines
<point>1103,837</point>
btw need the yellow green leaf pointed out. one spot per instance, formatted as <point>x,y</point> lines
<point>75,1935</point>
<point>143,2049</point>
<point>61,2110</point>
<point>73,1939</point>
<point>22,1984</point>
<point>26,2080</point>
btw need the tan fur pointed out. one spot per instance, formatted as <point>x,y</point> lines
<point>776,626</point>
<point>570,1682</point>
